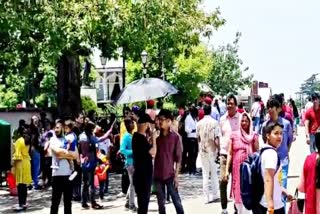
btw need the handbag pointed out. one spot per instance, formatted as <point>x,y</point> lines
<point>296,205</point>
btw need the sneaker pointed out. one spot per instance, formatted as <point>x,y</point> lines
<point>121,195</point>
<point>19,208</point>
<point>127,206</point>
<point>224,212</point>
<point>85,206</point>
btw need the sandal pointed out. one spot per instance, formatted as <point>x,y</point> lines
<point>97,206</point>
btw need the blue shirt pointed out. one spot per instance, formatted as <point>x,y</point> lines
<point>215,114</point>
<point>287,137</point>
<point>126,148</point>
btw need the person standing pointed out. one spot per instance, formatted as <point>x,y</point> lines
<point>230,129</point>
<point>144,150</point>
<point>126,150</point>
<point>310,180</point>
<point>255,114</point>
<point>208,132</point>
<point>312,122</point>
<point>22,166</point>
<point>271,201</point>
<point>309,104</point>
<point>239,150</point>
<point>274,108</point>
<point>35,151</point>
<point>60,176</point>
<point>88,147</point>
<point>167,163</point>
<point>192,146</point>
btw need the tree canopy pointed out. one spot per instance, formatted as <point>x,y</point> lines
<point>41,46</point>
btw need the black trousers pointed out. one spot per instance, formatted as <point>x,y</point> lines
<point>193,148</point>
<point>88,182</point>
<point>22,194</point>
<point>61,185</point>
<point>142,184</point>
<point>262,210</point>
<point>184,163</point>
<point>47,171</point>
<point>125,182</point>
<point>77,182</point>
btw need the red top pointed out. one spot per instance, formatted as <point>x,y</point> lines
<point>240,110</point>
<point>101,172</point>
<point>314,120</point>
<point>309,170</point>
<point>201,113</point>
<point>169,151</point>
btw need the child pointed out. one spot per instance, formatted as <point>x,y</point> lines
<point>70,145</point>
<point>101,172</point>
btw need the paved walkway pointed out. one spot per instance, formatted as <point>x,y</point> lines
<point>190,189</point>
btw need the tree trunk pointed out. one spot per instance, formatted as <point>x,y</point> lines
<point>68,88</point>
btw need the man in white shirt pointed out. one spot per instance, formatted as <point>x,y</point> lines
<point>60,176</point>
<point>309,104</point>
<point>255,114</point>
<point>208,133</point>
<point>192,144</point>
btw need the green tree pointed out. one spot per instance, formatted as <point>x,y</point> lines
<point>227,75</point>
<point>310,85</point>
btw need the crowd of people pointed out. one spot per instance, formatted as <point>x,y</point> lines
<point>74,157</point>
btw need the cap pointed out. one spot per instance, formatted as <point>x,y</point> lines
<point>208,100</point>
<point>145,118</point>
<point>150,103</point>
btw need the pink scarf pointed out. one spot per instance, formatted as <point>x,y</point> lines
<point>309,170</point>
<point>248,138</point>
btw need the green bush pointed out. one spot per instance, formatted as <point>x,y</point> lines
<point>170,106</point>
<point>88,104</point>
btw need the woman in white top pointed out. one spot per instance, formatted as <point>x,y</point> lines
<point>271,201</point>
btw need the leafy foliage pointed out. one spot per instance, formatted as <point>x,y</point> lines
<point>227,75</point>
<point>88,104</point>
<point>310,85</point>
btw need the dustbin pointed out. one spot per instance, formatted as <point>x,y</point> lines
<point>5,146</point>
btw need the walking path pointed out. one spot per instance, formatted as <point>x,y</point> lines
<point>190,190</point>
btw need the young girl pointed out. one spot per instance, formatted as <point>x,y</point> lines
<point>271,201</point>
<point>311,186</point>
<point>101,172</point>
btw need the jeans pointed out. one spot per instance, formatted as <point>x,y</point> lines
<point>223,184</point>
<point>35,166</point>
<point>101,189</point>
<point>88,181</point>
<point>142,184</point>
<point>61,185</point>
<point>77,181</point>
<point>209,170</point>
<point>22,194</point>
<point>47,171</point>
<point>262,210</point>
<point>284,177</point>
<point>256,124</point>
<point>193,149</point>
<point>313,143</point>
<point>106,188</point>
<point>161,197</point>
<point>131,193</point>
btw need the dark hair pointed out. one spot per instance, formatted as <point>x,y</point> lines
<point>128,124</point>
<point>294,107</point>
<point>317,141</point>
<point>257,99</point>
<point>269,128</point>
<point>166,114</point>
<point>207,109</point>
<point>240,105</point>
<point>309,99</point>
<point>231,96</point>
<point>159,104</point>
<point>279,98</point>
<point>314,96</point>
<point>216,104</point>
<point>69,124</point>
<point>273,102</point>
<point>194,111</point>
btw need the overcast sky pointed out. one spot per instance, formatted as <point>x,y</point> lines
<point>280,38</point>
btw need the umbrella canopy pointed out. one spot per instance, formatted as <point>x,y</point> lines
<point>205,88</point>
<point>145,89</point>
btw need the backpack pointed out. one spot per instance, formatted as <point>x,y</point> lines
<point>251,179</point>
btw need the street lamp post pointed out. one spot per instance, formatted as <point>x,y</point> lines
<point>144,58</point>
<point>103,61</point>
